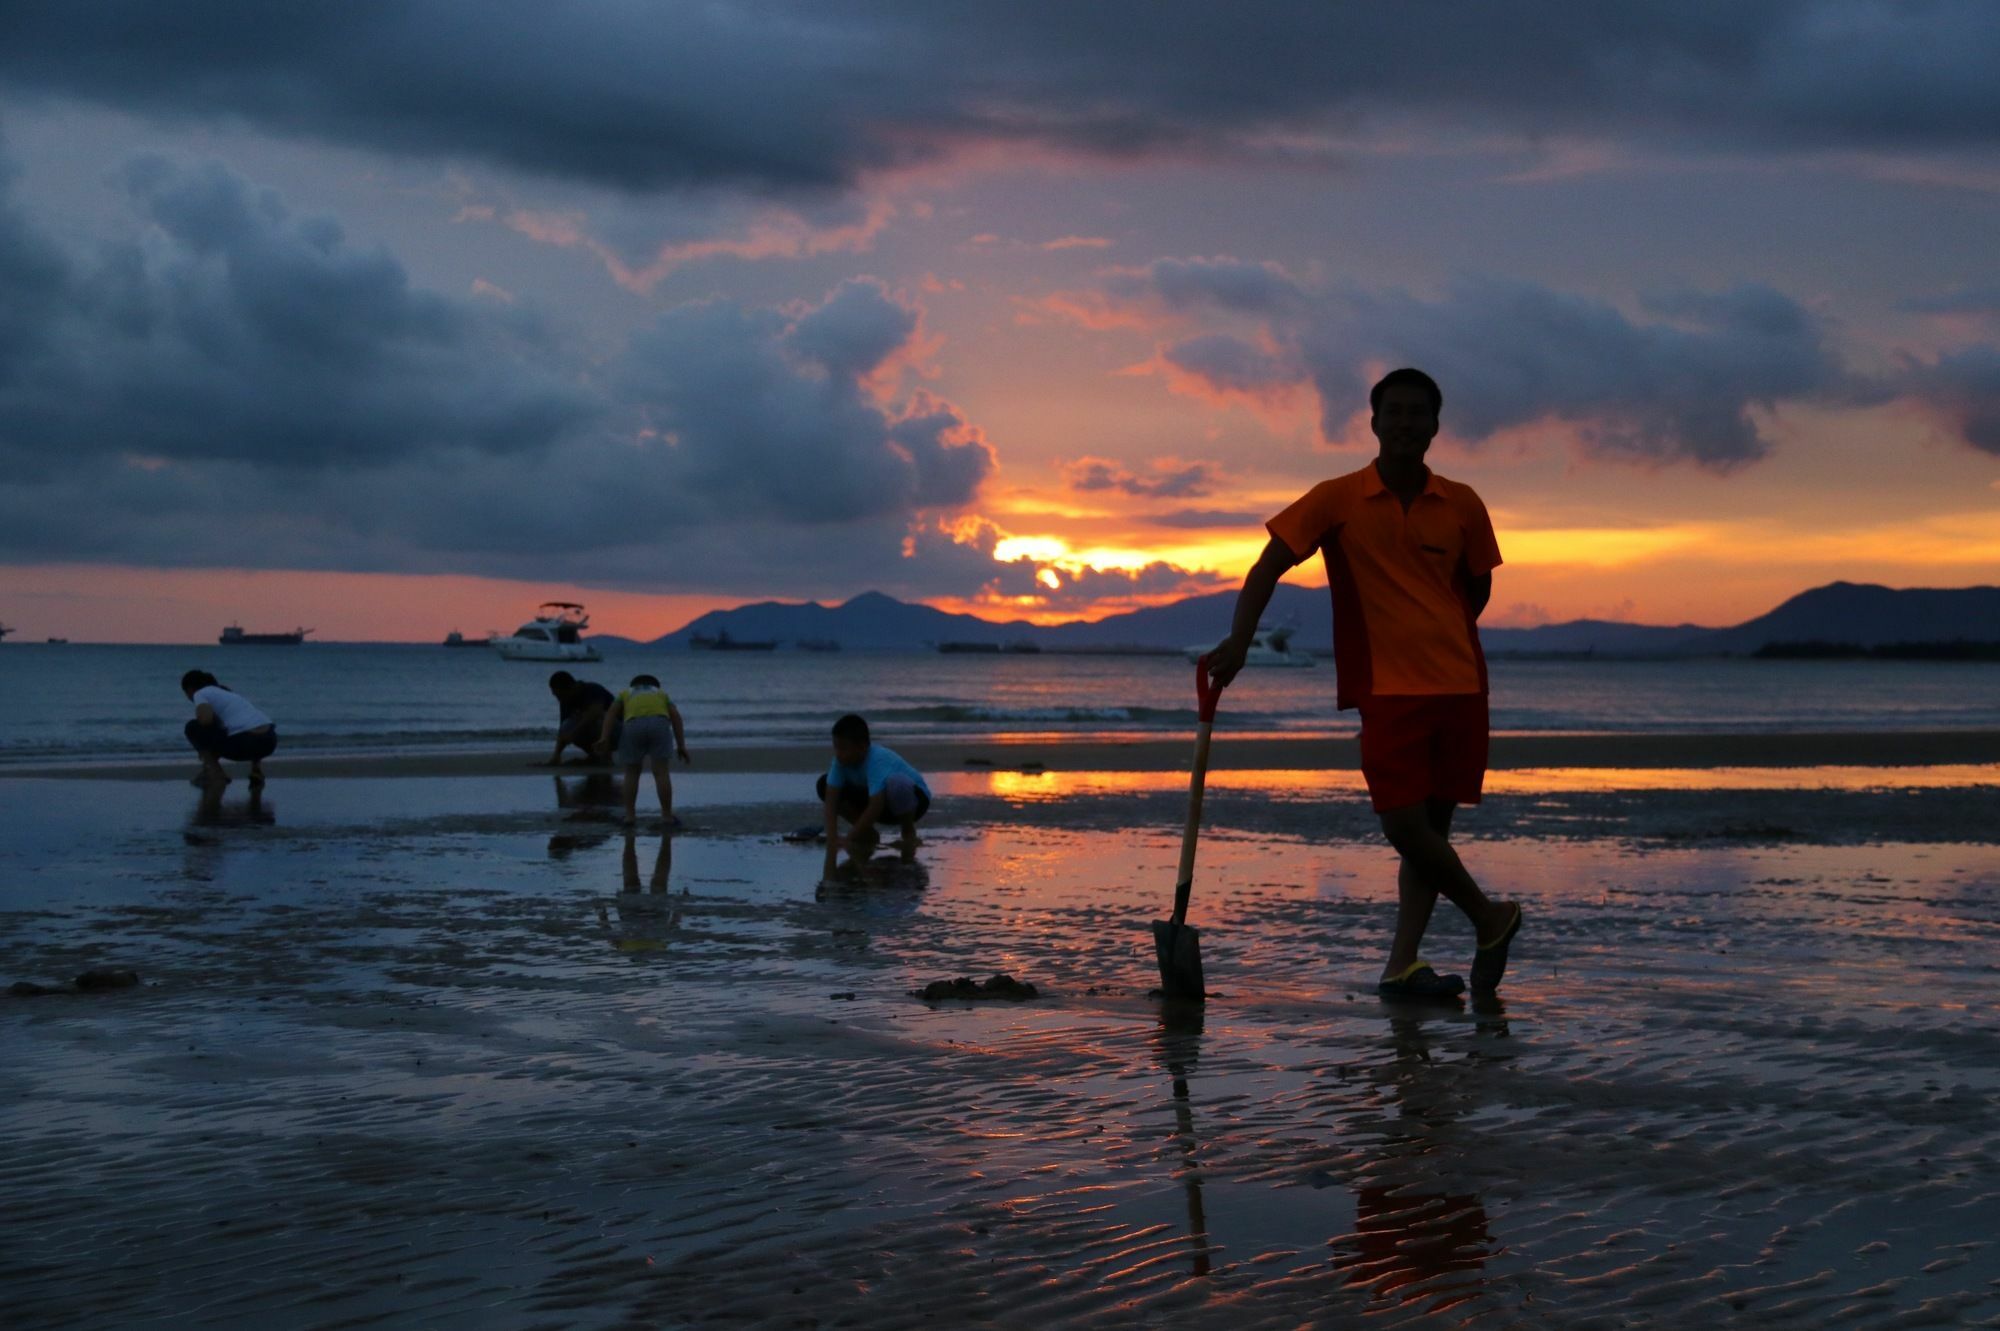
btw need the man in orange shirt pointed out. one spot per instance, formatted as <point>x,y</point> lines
<point>1409,559</point>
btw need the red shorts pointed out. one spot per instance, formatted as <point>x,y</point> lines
<point>1423,747</point>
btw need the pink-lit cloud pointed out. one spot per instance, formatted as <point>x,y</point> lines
<point>773,233</point>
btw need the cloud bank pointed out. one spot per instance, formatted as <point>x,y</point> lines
<point>1691,377</point>
<point>244,386</point>
<point>814,94</point>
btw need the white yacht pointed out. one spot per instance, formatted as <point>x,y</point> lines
<point>1271,647</point>
<point>554,634</point>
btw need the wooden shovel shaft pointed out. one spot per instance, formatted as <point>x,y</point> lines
<point>1184,882</point>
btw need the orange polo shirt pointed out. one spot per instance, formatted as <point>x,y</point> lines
<point>1402,623</point>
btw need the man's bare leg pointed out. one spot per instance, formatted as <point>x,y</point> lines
<point>1421,835</point>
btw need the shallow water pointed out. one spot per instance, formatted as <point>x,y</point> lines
<point>409,1054</point>
<point>85,701</point>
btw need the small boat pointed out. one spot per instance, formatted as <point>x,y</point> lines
<point>720,641</point>
<point>457,639</point>
<point>554,634</point>
<point>58,642</point>
<point>4,631</point>
<point>234,636</point>
<point>1270,647</point>
<point>969,648</point>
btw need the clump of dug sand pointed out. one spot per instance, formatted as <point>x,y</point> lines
<point>999,986</point>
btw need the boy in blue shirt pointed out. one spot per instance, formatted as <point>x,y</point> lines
<point>866,783</point>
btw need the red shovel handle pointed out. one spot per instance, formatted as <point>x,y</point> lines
<point>1206,691</point>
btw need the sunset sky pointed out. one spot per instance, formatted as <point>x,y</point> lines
<point>386,319</point>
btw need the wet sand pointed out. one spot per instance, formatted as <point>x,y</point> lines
<point>1232,752</point>
<point>411,1054</point>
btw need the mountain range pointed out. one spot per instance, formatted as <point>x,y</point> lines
<point>1843,612</point>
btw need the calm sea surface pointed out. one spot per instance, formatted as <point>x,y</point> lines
<point>103,701</point>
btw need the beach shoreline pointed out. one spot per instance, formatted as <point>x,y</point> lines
<point>1510,752</point>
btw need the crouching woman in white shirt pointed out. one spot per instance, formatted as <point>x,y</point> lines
<point>226,725</point>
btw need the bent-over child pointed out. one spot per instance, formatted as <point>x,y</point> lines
<point>866,783</point>
<point>226,725</point>
<point>645,724</point>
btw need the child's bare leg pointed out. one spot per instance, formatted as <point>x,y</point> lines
<point>663,785</point>
<point>632,774</point>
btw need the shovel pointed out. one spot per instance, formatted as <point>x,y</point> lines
<point>1176,942</point>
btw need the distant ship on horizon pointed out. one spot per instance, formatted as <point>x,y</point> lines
<point>722,642</point>
<point>234,636</point>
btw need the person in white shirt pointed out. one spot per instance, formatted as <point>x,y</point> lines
<point>226,725</point>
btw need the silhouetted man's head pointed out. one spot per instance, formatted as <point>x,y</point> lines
<point>561,683</point>
<point>1404,408</point>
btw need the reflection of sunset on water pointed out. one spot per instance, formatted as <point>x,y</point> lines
<point>1292,784</point>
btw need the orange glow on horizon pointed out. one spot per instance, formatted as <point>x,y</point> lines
<point>93,603</point>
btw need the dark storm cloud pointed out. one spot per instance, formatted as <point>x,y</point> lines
<point>1170,478</point>
<point>1681,385</point>
<point>1202,518</point>
<point>242,386</point>
<point>811,93</point>
<point>1963,388</point>
<point>1977,299</point>
<point>34,283</point>
<point>235,330</point>
<point>773,419</point>
<point>1230,364</point>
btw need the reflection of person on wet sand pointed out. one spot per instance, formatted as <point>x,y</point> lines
<point>639,926</point>
<point>591,797</point>
<point>1407,1235</point>
<point>1410,558</point>
<point>902,882</point>
<point>253,812</point>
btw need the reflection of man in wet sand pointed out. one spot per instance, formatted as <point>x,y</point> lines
<point>1410,559</point>
<point>1411,1242</point>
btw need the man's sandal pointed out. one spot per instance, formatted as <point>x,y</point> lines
<point>1420,980</point>
<point>1489,962</point>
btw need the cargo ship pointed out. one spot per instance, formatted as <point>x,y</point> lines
<point>234,636</point>
<point>722,642</point>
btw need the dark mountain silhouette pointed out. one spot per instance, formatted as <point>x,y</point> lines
<point>1838,612</point>
<point>1869,616</point>
<point>870,621</point>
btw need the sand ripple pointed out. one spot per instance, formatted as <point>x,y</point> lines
<point>427,1077</point>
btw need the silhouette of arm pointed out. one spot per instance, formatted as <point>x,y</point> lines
<point>1258,585</point>
<point>1478,591</point>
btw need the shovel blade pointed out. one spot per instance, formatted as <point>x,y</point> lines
<point>1178,947</point>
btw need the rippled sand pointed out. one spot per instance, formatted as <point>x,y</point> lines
<point>413,1057</point>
